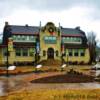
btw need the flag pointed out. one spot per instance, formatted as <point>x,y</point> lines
<point>37,47</point>
<point>62,48</point>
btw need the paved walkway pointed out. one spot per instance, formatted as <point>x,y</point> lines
<point>20,82</point>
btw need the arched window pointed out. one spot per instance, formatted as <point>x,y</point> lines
<point>44,53</point>
<point>57,53</point>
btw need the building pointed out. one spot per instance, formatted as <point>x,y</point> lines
<point>31,44</point>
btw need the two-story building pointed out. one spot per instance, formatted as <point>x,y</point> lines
<point>31,44</point>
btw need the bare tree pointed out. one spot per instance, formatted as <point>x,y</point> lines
<point>92,46</point>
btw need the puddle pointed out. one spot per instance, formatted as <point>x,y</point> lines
<point>7,86</point>
<point>3,87</point>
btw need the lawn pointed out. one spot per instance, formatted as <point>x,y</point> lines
<point>54,94</point>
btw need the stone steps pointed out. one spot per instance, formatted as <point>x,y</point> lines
<point>51,62</point>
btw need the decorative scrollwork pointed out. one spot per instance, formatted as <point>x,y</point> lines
<point>51,30</point>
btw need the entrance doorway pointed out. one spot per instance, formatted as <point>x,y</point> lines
<point>50,53</point>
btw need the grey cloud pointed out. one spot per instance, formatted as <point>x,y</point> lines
<point>9,6</point>
<point>50,4</point>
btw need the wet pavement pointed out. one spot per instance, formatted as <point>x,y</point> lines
<point>16,83</point>
<point>3,87</point>
<point>65,86</point>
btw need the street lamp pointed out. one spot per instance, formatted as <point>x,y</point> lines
<point>7,59</point>
<point>9,49</point>
<point>67,59</point>
<point>37,50</point>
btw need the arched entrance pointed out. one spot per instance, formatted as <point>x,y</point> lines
<point>50,53</point>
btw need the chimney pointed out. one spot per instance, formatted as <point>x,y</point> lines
<point>26,25</point>
<point>6,23</point>
<point>40,23</point>
<point>78,28</point>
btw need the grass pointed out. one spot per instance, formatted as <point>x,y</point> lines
<point>54,94</point>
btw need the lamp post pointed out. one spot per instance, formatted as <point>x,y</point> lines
<point>7,59</point>
<point>35,56</point>
<point>9,49</point>
<point>67,59</point>
<point>37,49</point>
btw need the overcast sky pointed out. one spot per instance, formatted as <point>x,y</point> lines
<point>70,13</point>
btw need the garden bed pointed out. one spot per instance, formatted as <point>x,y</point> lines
<point>66,78</point>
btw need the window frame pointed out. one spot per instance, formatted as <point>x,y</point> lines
<point>70,52</point>
<point>17,52</point>
<point>76,52</point>
<point>23,52</point>
<point>82,52</point>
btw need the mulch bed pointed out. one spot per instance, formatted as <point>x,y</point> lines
<point>18,71</point>
<point>65,78</point>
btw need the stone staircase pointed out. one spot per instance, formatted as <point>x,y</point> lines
<point>51,62</point>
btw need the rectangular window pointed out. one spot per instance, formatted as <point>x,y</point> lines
<point>70,52</point>
<point>71,39</point>
<point>67,39</point>
<point>46,38</point>
<point>14,37</point>
<point>32,38</point>
<point>18,51</point>
<point>50,39</point>
<point>76,52</point>
<point>82,52</point>
<point>31,51</point>
<point>25,52</point>
<point>18,37</point>
<point>23,38</point>
<point>5,52</point>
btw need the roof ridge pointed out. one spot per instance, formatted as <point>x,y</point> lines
<point>23,26</point>
<point>68,28</point>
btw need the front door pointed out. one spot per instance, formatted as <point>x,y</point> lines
<point>50,53</point>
